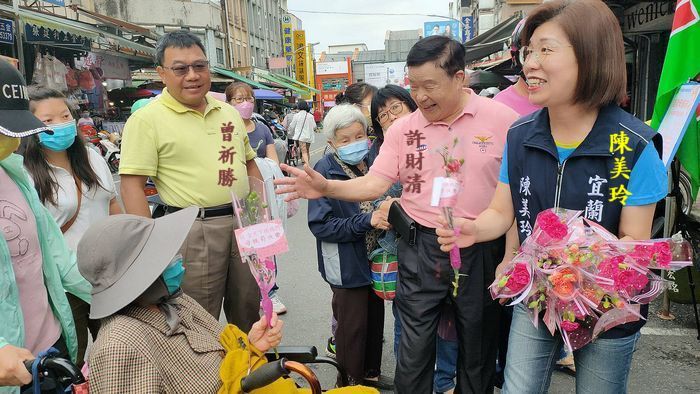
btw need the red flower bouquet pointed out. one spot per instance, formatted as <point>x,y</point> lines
<point>583,278</point>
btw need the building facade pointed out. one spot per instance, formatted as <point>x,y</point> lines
<point>203,18</point>
<point>265,30</point>
<point>237,35</point>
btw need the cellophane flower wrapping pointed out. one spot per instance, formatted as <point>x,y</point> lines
<point>580,280</point>
<point>252,209</point>
<point>449,190</point>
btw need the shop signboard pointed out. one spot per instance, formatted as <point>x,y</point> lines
<point>647,16</point>
<point>7,31</point>
<point>468,28</point>
<point>61,3</point>
<point>325,68</point>
<point>287,38</point>
<point>334,84</point>
<point>300,55</point>
<point>276,63</point>
<point>113,67</point>
<point>38,34</point>
<point>442,28</point>
<point>381,74</point>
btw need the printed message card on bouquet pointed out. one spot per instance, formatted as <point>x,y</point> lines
<point>580,280</point>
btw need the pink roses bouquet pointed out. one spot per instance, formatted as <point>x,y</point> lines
<point>583,278</point>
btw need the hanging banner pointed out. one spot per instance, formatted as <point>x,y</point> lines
<point>677,118</point>
<point>43,35</point>
<point>381,74</point>
<point>442,28</point>
<point>287,40</point>
<point>300,55</point>
<point>325,68</point>
<point>7,31</point>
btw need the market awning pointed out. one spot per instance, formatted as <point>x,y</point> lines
<point>295,82</point>
<point>491,41</point>
<point>53,30</point>
<point>481,79</point>
<point>114,22</point>
<point>43,28</point>
<point>238,77</point>
<point>280,81</point>
<point>264,94</point>
<point>149,74</point>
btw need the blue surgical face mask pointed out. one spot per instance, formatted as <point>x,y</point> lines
<point>353,153</point>
<point>172,276</point>
<point>63,136</point>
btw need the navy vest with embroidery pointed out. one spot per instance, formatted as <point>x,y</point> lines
<point>587,180</point>
<point>593,179</point>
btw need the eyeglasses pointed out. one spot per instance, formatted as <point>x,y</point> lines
<point>182,69</point>
<point>239,100</point>
<point>395,109</point>
<point>538,54</point>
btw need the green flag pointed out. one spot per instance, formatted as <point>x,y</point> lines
<point>682,63</point>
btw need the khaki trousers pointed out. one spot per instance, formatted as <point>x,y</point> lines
<point>214,272</point>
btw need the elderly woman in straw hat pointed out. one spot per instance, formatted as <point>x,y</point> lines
<point>154,337</point>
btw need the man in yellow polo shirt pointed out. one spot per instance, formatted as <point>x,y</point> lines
<point>196,149</point>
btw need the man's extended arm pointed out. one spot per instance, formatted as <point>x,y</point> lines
<point>309,184</point>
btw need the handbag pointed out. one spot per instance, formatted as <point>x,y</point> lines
<point>70,222</point>
<point>384,272</point>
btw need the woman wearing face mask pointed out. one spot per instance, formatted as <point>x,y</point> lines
<point>241,96</point>
<point>343,231</point>
<point>36,265</point>
<point>73,182</point>
<point>565,156</point>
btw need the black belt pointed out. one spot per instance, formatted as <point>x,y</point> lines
<point>204,213</point>
<point>425,229</point>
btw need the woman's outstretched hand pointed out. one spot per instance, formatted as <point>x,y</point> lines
<point>447,238</point>
<point>306,183</point>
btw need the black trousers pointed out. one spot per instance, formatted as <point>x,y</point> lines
<point>358,337</point>
<point>424,285</point>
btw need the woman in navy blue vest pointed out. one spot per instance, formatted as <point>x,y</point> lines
<point>582,152</point>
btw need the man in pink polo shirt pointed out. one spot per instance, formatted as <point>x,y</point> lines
<point>410,155</point>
